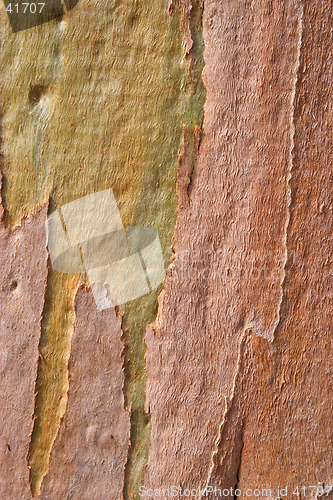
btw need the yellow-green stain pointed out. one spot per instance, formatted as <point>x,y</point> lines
<point>94,101</point>
<point>52,381</point>
<point>143,311</point>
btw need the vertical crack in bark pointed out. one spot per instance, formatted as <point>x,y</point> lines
<point>239,465</point>
<point>291,166</point>
<point>2,162</point>
<point>134,388</point>
<point>186,163</point>
<point>188,5</point>
<point>229,403</point>
<point>184,172</point>
<point>52,378</point>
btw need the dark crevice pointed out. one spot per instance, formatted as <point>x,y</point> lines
<point>36,92</point>
<point>13,285</point>
<point>239,464</point>
<point>2,164</point>
<point>2,158</point>
<point>197,88</point>
<point>134,387</point>
<point>3,179</point>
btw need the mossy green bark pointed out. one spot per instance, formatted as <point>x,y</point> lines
<point>92,101</point>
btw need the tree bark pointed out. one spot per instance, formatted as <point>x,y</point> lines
<point>222,388</point>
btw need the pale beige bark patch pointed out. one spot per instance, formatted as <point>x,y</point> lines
<point>89,455</point>
<point>23,273</point>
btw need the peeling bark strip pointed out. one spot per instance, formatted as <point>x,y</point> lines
<point>230,433</point>
<point>185,168</point>
<point>89,455</point>
<point>230,240</point>
<point>284,391</point>
<point>291,157</point>
<point>188,6</point>
<point>188,35</point>
<point>23,271</point>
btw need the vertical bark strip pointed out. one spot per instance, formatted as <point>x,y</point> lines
<point>52,377</point>
<point>23,272</point>
<point>89,456</point>
<point>288,385</point>
<point>230,241</point>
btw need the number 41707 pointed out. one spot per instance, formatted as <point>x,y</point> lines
<point>25,7</point>
<point>312,491</point>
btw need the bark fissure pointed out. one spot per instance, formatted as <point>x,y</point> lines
<point>229,406</point>
<point>291,166</point>
<point>238,469</point>
<point>52,383</point>
<point>2,161</point>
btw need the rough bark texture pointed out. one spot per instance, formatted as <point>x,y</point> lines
<point>238,361</point>
<point>252,252</point>
<point>90,453</point>
<point>23,272</point>
<point>97,100</point>
<point>283,393</point>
